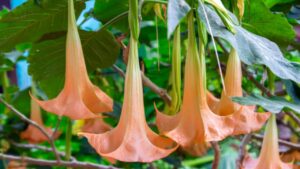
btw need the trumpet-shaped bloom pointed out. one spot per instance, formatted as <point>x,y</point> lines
<point>32,134</point>
<point>225,106</point>
<point>196,124</point>
<point>79,99</point>
<point>269,156</point>
<point>132,139</point>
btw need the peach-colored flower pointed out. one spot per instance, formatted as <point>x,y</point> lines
<point>32,134</point>
<point>132,140</point>
<point>16,165</point>
<point>196,124</point>
<point>269,156</point>
<point>225,106</point>
<point>79,99</point>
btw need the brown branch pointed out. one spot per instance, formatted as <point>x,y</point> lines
<point>242,151</point>
<point>42,148</point>
<point>293,116</point>
<point>24,118</point>
<point>217,154</point>
<point>39,162</point>
<point>282,142</point>
<point>56,128</point>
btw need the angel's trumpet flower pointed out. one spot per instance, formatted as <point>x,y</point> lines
<point>132,140</point>
<point>224,107</point>
<point>269,156</point>
<point>79,99</point>
<point>32,134</point>
<point>196,124</point>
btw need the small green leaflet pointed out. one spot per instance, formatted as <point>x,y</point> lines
<point>272,104</point>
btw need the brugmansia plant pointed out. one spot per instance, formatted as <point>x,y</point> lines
<point>118,125</point>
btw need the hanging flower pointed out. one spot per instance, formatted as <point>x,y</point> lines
<point>79,99</point>
<point>269,156</point>
<point>132,140</point>
<point>32,134</point>
<point>251,120</point>
<point>196,124</point>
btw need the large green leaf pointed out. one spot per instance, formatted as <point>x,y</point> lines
<point>272,104</point>
<point>177,10</point>
<point>106,10</point>
<point>30,21</point>
<point>47,59</point>
<point>251,48</point>
<point>260,20</point>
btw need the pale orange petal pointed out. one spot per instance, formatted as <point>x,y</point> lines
<point>79,99</point>
<point>96,125</point>
<point>132,140</point>
<point>269,156</point>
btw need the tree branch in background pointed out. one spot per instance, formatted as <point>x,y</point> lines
<point>217,154</point>
<point>282,142</point>
<point>42,148</point>
<point>24,118</point>
<point>38,162</point>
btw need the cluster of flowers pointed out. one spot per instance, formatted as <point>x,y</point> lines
<point>202,117</point>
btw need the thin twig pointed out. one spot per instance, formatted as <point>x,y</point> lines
<point>42,148</point>
<point>217,154</point>
<point>242,151</point>
<point>39,162</point>
<point>24,118</point>
<point>293,116</point>
<point>282,142</point>
<point>56,128</point>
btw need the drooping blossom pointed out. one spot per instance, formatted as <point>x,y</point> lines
<point>132,140</point>
<point>269,156</point>
<point>196,124</point>
<point>32,134</point>
<point>79,99</point>
<point>249,119</point>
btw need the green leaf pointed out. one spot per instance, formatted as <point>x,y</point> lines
<point>47,59</point>
<point>271,3</point>
<point>28,22</point>
<point>293,90</point>
<point>177,10</point>
<point>106,10</point>
<point>251,48</point>
<point>260,20</point>
<point>272,104</point>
